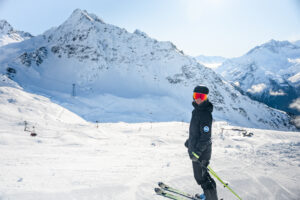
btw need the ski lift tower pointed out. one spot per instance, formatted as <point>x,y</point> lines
<point>73,90</point>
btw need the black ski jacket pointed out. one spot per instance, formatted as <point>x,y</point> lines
<point>200,130</point>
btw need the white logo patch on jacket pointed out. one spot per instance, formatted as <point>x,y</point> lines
<point>206,129</point>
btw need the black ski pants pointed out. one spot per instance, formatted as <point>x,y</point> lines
<point>202,175</point>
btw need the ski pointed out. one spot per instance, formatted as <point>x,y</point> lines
<point>163,193</point>
<point>176,191</point>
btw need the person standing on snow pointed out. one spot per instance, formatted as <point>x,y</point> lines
<point>199,141</point>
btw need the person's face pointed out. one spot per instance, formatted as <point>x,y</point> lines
<point>199,101</point>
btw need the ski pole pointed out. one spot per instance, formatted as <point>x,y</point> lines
<point>215,175</point>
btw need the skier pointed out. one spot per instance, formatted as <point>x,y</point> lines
<point>199,141</point>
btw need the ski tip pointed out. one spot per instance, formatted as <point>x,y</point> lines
<point>162,185</point>
<point>158,190</point>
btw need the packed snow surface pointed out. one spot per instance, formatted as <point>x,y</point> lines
<point>71,158</point>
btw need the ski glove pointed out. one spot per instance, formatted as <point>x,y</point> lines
<point>192,157</point>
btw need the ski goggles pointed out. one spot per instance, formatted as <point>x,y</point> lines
<point>200,96</point>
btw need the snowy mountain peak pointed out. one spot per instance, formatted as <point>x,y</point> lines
<point>76,29</point>
<point>275,47</point>
<point>5,27</point>
<point>280,44</point>
<point>9,35</point>
<point>79,15</point>
<point>276,43</point>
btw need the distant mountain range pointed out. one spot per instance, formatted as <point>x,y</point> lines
<point>212,62</point>
<point>104,73</point>
<point>269,73</point>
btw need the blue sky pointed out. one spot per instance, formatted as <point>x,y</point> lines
<point>227,28</point>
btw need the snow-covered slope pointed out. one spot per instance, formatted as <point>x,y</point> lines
<point>9,35</point>
<point>270,73</point>
<point>212,62</point>
<point>71,159</point>
<point>21,106</point>
<point>115,75</point>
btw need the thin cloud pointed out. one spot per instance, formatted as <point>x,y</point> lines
<point>296,104</point>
